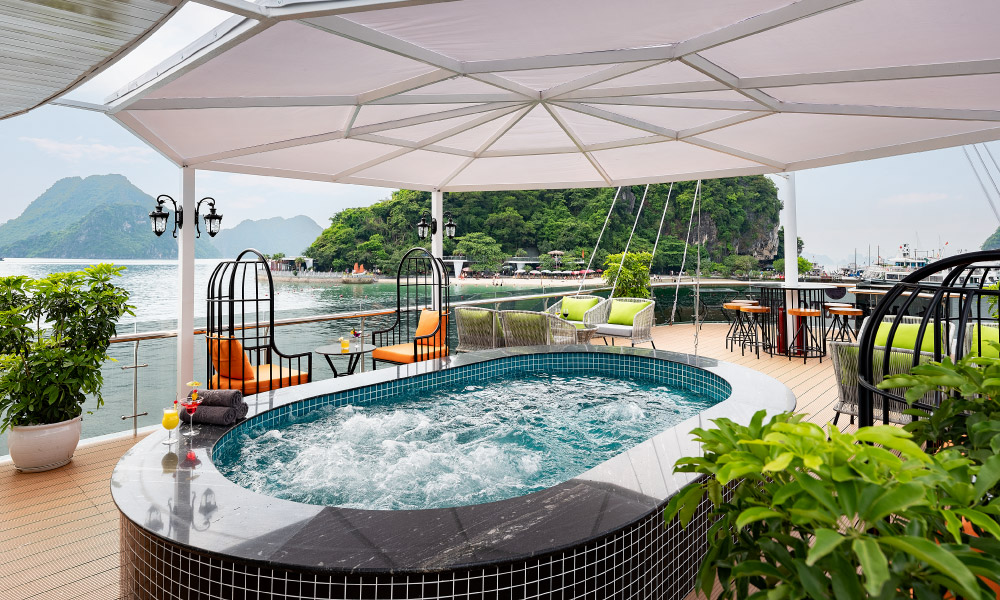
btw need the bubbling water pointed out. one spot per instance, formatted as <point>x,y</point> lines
<point>459,445</point>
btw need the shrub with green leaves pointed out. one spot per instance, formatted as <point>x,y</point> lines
<point>632,279</point>
<point>54,336</point>
<point>864,515</point>
<point>968,417</point>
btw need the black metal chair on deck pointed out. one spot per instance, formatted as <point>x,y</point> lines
<point>420,331</point>
<point>240,330</point>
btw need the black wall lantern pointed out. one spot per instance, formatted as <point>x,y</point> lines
<point>425,229</point>
<point>449,227</point>
<point>213,220</point>
<point>159,217</point>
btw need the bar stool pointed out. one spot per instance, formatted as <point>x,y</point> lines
<point>840,329</point>
<point>827,306</point>
<point>737,326</point>
<point>756,333</point>
<point>812,345</point>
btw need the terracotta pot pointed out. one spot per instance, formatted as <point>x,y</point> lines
<point>35,448</point>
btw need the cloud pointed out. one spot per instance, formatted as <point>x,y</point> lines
<point>914,198</point>
<point>76,151</point>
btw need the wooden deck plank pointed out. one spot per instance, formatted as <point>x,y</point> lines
<point>59,530</point>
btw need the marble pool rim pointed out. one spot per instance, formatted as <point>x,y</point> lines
<point>260,529</point>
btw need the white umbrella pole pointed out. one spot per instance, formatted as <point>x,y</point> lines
<point>185,297</point>
<point>791,235</point>
<point>605,226</point>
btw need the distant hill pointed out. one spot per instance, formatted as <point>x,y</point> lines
<point>288,236</point>
<point>101,216</point>
<point>105,216</point>
<point>992,242</point>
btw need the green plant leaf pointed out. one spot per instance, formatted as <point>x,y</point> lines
<point>780,463</point>
<point>938,558</point>
<point>874,565</point>
<point>988,475</point>
<point>684,504</point>
<point>825,541</point>
<point>753,514</point>
<point>894,501</point>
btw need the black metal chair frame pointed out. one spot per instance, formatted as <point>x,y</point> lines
<point>953,307</point>
<point>234,313</point>
<point>737,329</point>
<point>422,282</point>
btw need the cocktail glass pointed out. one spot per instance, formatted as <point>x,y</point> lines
<point>190,405</point>
<point>170,422</point>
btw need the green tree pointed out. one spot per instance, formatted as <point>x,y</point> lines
<point>509,229</point>
<point>631,279</point>
<point>741,264</point>
<point>804,265</point>
<point>482,251</point>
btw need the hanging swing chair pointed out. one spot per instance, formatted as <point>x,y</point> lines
<point>240,330</point>
<point>420,331</point>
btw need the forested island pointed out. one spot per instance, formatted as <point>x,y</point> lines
<point>738,216</point>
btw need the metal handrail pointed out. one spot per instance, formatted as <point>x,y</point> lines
<point>157,335</point>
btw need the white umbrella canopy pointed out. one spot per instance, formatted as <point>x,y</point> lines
<point>522,94</point>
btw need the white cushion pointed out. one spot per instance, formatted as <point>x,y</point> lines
<point>619,330</point>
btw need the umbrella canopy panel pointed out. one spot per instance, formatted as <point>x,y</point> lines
<point>521,94</point>
<point>50,46</point>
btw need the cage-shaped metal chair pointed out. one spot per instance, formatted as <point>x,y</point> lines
<point>239,330</point>
<point>420,329</point>
<point>945,309</point>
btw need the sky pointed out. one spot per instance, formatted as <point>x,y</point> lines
<point>924,199</point>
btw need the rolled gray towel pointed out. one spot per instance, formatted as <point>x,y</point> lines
<point>242,408</point>
<point>213,415</point>
<point>220,397</point>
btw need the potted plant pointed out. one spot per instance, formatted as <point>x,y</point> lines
<point>54,336</point>
<point>798,514</point>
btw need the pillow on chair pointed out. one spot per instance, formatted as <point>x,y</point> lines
<point>576,307</point>
<point>623,313</point>
<point>427,324</point>
<point>229,359</point>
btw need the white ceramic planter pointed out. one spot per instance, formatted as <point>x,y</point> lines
<point>36,448</point>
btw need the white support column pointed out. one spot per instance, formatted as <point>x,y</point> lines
<point>790,223</point>
<point>437,213</point>
<point>185,269</point>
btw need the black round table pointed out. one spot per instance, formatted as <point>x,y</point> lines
<point>354,354</point>
<point>779,297</point>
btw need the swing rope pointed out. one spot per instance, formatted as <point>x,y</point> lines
<point>659,231</point>
<point>621,265</point>
<point>601,235</point>
<point>687,240</point>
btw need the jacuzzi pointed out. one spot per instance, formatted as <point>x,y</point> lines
<point>189,532</point>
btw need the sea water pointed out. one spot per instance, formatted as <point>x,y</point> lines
<point>457,445</point>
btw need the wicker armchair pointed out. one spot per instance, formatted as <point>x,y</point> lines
<point>594,316</point>
<point>478,329</point>
<point>641,329</point>
<point>527,328</point>
<point>845,368</point>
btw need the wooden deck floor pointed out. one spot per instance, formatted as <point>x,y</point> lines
<point>59,530</point>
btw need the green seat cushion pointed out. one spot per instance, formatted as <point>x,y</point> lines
<point>988,334</point>
<point>576,307</point>
<point>623,313</point>
<point>905,337</point>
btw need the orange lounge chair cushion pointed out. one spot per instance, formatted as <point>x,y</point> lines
<point>229,359</point>
<point>427,324</point>
<point>264,378</point>
<point>403,353</point>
